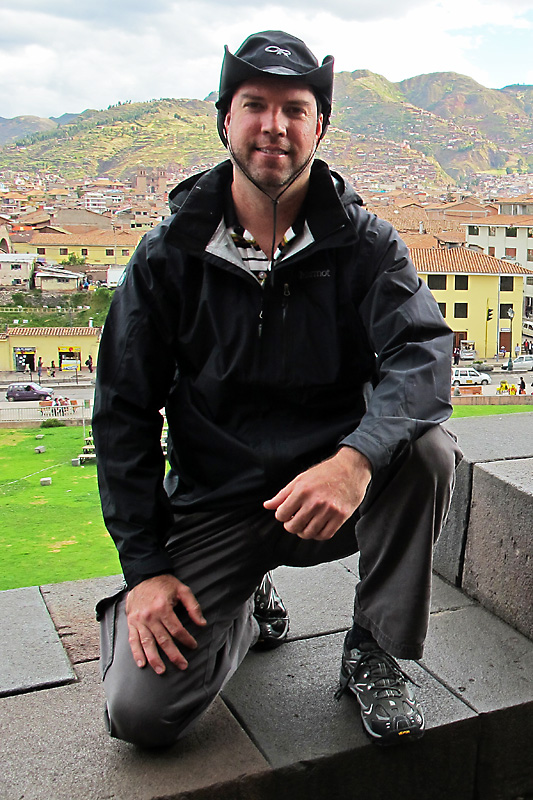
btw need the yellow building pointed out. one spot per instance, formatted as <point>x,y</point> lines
<point>67,348</point>
<point>475,293</point>
<point>104,247</point>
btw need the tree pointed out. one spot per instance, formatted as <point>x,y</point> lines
<point>73,261</point>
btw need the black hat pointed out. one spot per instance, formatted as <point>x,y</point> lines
<point>274,53</point>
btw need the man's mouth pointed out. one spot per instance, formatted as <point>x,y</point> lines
<point>272,151</point>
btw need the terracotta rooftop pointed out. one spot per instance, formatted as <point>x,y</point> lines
<point>92,237</point>
<point>463,260</point>
<point>510,220</point>
<point>53,331</point>
<point>425,240</point>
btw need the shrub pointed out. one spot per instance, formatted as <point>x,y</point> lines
<point>53,423</point>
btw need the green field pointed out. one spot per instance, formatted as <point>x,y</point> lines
<point>486,411</point>
<point>56,533</point>
<point>51,533</point>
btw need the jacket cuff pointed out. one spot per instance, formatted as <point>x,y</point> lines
<point>138,571</point>
<point>378,455</point>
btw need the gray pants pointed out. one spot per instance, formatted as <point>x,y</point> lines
<point>223,556</point>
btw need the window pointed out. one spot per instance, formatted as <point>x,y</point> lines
<point>63,251</point>
<point>460,310</point>
<point>41,251</point>
<point>125,252</point>
<point>530,233</point>
<point>442,309</point>
<point>461,282</point>
<point>510,252</point>
<point>473,230</point>
<point>109,252</point>
<point>84,251</point>
<point>506,283</point>
<point>511,232</point>
<point>19,266</point>
<point>492,230</point>
<point>437,281</point>
<point>492,251</point>
<point>504,310</point>
<point>530,255</point>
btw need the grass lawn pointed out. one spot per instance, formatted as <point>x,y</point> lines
<point>485,411</point>
<point>56,533</point>
<point>51,533</point>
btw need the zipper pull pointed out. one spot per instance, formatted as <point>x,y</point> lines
<point>260,326</point>
<point>286,290</point>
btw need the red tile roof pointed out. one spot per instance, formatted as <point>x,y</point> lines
<point>88,239</point>
<point>53,331</point>
<point>510,220</point>
<point>462,260</point>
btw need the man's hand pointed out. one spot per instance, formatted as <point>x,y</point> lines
<point>153,624</point>
<point>318,501</point>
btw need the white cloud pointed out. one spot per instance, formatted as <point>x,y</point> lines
<point>69,56</point>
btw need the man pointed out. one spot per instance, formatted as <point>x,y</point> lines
<point>305,371</point>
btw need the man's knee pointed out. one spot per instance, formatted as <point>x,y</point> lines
<point>147,718</point>
<point>439,454</point>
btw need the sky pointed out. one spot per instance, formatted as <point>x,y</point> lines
<point>63,56</point>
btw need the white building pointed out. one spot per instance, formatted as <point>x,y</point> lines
<point>16,269</point>
<point>508,236</point>
<point>95,201</point>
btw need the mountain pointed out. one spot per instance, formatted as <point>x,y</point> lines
<point>448,119</point>
<point>113,141</point>
<point>19,127</point>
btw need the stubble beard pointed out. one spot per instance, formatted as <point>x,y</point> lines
<point>269,178</point>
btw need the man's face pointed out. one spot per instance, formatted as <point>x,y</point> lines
<point>273,128</point>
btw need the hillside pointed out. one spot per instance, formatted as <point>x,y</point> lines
<point>112,142</point>
<point>448,120</point>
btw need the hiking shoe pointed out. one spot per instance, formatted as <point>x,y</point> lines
<point>389,709</point>
<point>271,615</point>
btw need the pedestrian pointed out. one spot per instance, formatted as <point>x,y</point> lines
<point>456,355</point>
<point>39,367</point>
<point>522,386</point>
<point>305,370</point>
<point>89,363</point>
<point>517,350</point>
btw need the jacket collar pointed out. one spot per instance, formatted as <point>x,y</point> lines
<point>198,205</point>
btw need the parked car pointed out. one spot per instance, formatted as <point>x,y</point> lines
<point>468,376</point>
<point>521,362</point>
<point>28,391</point>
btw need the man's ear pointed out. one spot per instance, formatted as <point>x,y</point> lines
<point>319,126</point>
<point>227,119</point>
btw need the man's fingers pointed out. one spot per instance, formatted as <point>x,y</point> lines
<point>146,646</point>
<point>274,502</point>
<point>191,605</point>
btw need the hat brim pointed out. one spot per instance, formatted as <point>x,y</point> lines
<point>235,71</point>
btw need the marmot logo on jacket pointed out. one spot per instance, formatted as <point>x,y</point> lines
<point>314,273</point>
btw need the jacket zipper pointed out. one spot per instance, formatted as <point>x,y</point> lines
<point>285,308</point>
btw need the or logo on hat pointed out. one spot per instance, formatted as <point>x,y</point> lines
<point>272,48</point>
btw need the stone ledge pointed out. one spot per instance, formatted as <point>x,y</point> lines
<point>486,547</point>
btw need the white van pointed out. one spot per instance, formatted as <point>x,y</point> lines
<point>468,376</point>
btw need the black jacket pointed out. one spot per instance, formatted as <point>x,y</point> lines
<point>258,382</point>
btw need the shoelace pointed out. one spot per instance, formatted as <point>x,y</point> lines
<point>266,599</point>
<point>395,676</point>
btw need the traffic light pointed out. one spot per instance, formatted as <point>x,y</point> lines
<point>489,313</point>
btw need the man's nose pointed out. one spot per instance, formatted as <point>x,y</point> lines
<point>274,122</point>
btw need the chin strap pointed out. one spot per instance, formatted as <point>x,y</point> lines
<point>273,200</point>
